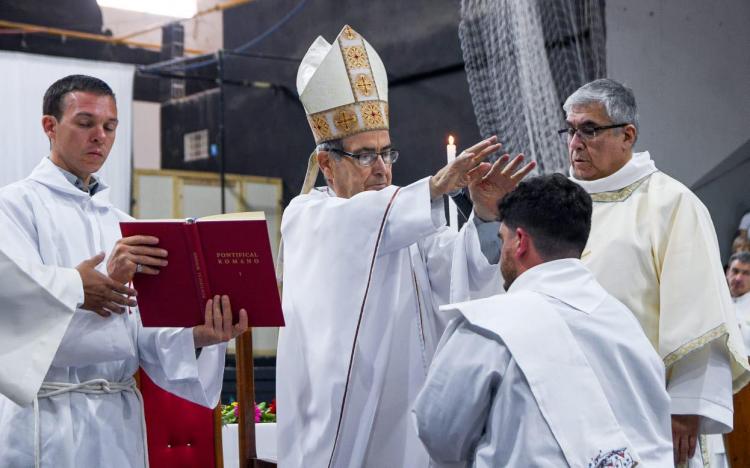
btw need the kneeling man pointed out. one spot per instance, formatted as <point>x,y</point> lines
<point>554,373</point>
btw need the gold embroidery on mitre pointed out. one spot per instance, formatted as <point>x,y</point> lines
<point>364,85</point>
<point>371,115</point>
<point>348,120</point>
<point>387,112</point>
<point>320,127</point>
<point>349,33</point>
<point>345,120</point>
<point>356,57</point>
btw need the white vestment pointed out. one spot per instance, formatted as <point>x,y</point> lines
<point>47,221</point>
<point>653,246</point>
<point>554,373</point>
<point>742,310</point>
<point>329,246</point>
<point>43,300</point>
<point>716,447</point>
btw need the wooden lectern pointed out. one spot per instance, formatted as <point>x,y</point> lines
<point>246,396</point>
<point>183,434</point>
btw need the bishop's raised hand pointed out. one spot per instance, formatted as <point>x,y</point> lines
<point>496,181</point>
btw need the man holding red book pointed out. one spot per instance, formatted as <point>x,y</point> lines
<point>82,408</point>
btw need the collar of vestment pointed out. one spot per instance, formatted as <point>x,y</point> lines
<point>49,175</point>
<point>324,191</point>
<point>620,185</point>
<point>566,280</point>
<point>91,188</point>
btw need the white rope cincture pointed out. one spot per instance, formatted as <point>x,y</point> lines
<point>91,387</point>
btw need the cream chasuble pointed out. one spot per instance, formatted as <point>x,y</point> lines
<point>358,341</point>
<point>653,246</point>
<point>49,226</point>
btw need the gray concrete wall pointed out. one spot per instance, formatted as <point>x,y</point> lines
<point>146,135</point>
<point>688,62</point>
<point>726,194</point>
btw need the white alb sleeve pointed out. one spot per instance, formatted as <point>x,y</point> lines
<point>701,384</point>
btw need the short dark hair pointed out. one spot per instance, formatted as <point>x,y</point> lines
<point>742,257</point>
<point>53,97</point>
<point>554,211</point>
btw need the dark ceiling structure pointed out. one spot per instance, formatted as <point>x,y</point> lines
<point>265,129</point>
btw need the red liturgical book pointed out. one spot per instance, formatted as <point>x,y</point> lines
<point>224,254</point>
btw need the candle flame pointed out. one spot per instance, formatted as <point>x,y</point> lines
<point>450,139</point>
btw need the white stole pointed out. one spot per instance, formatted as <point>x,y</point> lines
<point>565,387</point>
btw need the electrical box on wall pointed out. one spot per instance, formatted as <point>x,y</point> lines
<point>190,128</point>
<point>195,146</point>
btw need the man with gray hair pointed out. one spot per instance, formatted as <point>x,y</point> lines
<point>653,247</point>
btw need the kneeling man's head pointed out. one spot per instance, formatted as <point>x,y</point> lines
<point>545,218</point>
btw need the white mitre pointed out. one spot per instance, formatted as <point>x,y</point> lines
<point>343,87</point>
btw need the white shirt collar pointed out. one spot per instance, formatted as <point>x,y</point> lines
<point>639,166</point>
<point>567,280</point>
<point>78,183</point>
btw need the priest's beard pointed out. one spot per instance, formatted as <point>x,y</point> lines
<point>508,270</point>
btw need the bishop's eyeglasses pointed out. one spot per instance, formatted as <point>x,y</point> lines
<point>368,158</point>
<point>586,132</point>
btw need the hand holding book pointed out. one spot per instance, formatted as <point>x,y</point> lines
<point>135,254</point>
<point>225,255</point>
<point>139,254</point>
<point>218,326</point>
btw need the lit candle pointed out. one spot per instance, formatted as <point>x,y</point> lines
<point>452,210</point>
<point>451,149</point>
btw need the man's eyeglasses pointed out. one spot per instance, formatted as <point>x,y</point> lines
<point>586,132</point>
<point>368,158</point>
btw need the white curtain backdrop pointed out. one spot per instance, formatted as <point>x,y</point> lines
<point>23,80</point>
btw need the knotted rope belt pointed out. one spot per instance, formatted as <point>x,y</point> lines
<point>91,387</point>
